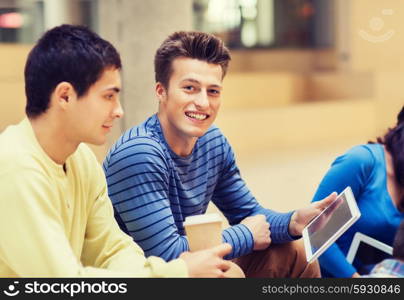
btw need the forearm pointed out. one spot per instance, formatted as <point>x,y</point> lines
<point>279,225</point>
<point>334,262</point>
<point>241,240</point>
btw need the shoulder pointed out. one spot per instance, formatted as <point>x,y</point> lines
<point>214,132</point>
<point>137,145</point>
<point>141,138</point>
<point>139,153</point>
<point>23,170</point>
<point>362,160</point>
<point>360,155</point>
<point>148,129</point>
<point>18,152</point>
<point>12,148</point>
<point>213,138</point>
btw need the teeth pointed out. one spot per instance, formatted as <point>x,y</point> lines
<point>197,116</point>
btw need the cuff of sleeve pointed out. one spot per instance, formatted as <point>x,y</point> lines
<point>279,223</point>
<point>241,240</point>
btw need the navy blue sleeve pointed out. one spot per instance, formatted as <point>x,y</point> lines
<point>235,200</point>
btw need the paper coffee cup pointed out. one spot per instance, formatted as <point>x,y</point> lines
<point>203,231</point>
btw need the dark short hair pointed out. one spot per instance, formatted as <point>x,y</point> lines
<point>190,44</point>
<point>393,140</point>
<point>398,245</point>
<point>65,53</point>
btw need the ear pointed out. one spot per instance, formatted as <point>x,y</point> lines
<point>63,94</point>
<point>161,92</point>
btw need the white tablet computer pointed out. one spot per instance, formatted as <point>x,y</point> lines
<point>330,224</point>
<point>367,251</point>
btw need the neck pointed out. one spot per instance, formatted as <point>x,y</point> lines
<point>50,135</point>
<point>180,144</point>
<point>389,164</point>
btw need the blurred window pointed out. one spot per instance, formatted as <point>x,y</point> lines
<point>23,21</point>
<point>267,23</point>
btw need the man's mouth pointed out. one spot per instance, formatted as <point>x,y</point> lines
<point>197,115</point>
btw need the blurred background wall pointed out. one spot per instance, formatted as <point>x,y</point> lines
<point>308,78</point>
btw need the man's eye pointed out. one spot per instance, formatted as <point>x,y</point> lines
<point>109,97</point>
<point>189,88</point>
<point>214,92</point>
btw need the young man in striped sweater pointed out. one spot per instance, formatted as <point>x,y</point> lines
<point>176,162</point>
<point>56,219</point>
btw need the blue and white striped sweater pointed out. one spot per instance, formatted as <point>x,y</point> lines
<point>153,190</point>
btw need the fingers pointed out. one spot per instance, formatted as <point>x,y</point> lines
<point>185,254</point>
<point>222,249</point>
<point>224,265</point>
<point>332,196</point>
<point>221,267</point>
<point>327,201</point>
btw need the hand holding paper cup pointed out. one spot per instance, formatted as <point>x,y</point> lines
<point>203,231</point>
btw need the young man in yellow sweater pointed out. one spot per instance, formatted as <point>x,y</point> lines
<point>55,216</point>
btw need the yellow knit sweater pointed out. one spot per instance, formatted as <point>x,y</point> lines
<point>60,224</point>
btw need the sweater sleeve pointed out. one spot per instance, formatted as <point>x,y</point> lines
<point>34,242</point>
<point>350,169</point>
<point>235,200</point>
<point>137,179</point>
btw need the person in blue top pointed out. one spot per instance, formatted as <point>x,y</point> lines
<point>176,162</point>
<point>375,172</point>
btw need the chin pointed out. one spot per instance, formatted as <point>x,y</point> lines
<point>197,133</point>
<point>97,142</point>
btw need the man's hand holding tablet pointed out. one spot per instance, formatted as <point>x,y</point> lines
<point>304,216</point>
<point>330,224</point>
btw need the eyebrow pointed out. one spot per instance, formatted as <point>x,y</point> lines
<point>196,81</point>
<point>115,89</point>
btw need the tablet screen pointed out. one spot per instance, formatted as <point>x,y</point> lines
<point>366,251</point>
<point>332,219</point>
<point>367,257</point>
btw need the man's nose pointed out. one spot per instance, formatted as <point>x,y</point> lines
<point>118,111</point>
<point>201,99</point>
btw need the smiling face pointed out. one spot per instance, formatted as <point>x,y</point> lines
<point>91,117</point>
<point>189,105</point>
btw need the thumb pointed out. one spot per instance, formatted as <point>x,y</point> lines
<point>327,201</point>
<point>222,249</point>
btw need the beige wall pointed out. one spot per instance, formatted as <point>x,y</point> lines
<point>282,60</point>
<point>285,87</point>
<point>376,45</point>
<point>372,46</point>
<point>12,61</point>
<point>266,130</point>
